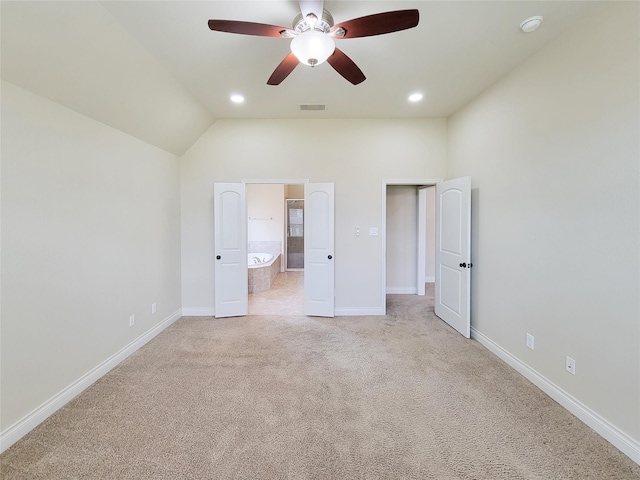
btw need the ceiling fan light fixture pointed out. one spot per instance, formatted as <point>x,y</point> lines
<point>312,47</point>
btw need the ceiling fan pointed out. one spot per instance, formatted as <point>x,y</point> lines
<point>313,33</point>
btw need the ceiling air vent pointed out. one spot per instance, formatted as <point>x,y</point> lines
<point>312,107</point>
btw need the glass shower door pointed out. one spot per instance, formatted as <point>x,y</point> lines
<point>295,234</point>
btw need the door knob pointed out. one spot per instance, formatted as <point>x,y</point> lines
<point>463,264</point>
<point>218,257</point>
<point>329,257</point>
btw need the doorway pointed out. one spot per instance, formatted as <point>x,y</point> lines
<point>275,246</point>
<point>452,248</point>
<point>410,233</point>
<point>231,244</point>
<point>410,239</point>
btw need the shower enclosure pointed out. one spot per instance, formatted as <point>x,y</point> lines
<point>295,235</point>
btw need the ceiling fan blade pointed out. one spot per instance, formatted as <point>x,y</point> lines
<point>346,67</point>
<point>247,28</point>
<point>378,24</point>
<point>283,70</point>
<point>311,6</point>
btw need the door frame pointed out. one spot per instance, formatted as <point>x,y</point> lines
<point>277,181</point>
<point>422,240</point>
<point>412,182</point>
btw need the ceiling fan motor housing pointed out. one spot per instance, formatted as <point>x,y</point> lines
<point>323,24</point>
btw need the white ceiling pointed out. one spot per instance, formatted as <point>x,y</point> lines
<point>153,69</point>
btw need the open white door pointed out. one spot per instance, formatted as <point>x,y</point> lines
<point>230,223</point>
<point>318,249</point>
<point>453,253</point>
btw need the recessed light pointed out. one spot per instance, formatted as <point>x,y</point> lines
<point>531,24</point>
<point>237,98</point>
<point>415,97</point>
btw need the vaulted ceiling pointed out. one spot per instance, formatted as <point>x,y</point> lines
<point>154,70</point>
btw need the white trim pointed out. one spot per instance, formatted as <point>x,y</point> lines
<point>30,421</point>
<point>422,241</point>
<point>198,312</point>
<point>402,290</point>
<point>357,311</point>
<point>430,280</point>
<point>418,182</point>
<point>606,430</point>
<point>285,181</point>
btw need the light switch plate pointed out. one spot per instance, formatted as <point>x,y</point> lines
<point>530,341</point>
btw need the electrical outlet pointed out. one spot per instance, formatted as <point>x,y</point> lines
<point>132,320</point>
<point>530,341</point>
<point>154,308</point>
<point>570,365</point>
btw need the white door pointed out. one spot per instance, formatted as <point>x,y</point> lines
<point>318,250</point>
<point>230,223</point>
<point>453,253</point>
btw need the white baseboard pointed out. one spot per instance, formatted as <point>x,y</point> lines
<point>198,312</point>
<point>357,312</point>
<point>623,442</point>
<point>30,421</point>
<point>339,312</point>
<point>430,280</point>
<point>402,290</point>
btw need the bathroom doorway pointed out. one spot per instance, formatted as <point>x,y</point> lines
<point>275,234</point>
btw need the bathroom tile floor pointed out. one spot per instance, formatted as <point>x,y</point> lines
<point>285,297</point>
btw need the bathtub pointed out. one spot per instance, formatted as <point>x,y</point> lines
<point>263,270</point>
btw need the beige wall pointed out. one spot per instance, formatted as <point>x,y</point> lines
<point>78,55</point>
<point>402,239</point>
<point>265,209</point>
<point>354,154</point>
<point>90,236</point>
<point>294,191</point>
<point>553,153</point>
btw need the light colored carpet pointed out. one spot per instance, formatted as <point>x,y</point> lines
<point>292,397</point>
